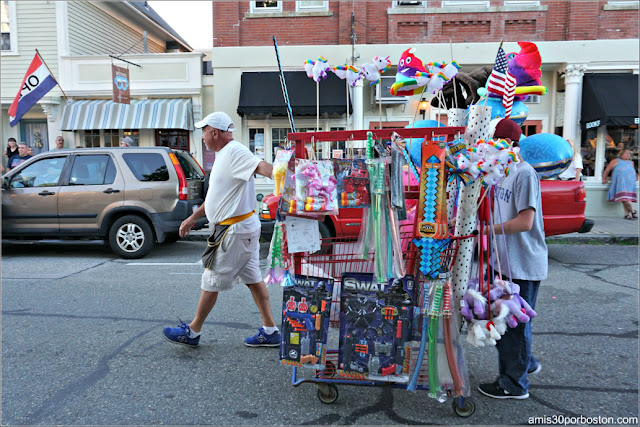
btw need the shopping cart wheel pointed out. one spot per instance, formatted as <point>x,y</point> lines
<point>330,370</point>
<point>327,393</point>
<point>467,408</point>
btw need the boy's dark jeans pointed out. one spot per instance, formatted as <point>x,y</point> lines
<point>514,348</point>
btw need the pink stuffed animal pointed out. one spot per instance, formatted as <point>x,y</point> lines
<point>313,175</point>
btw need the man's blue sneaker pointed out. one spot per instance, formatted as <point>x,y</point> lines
<point>180,335</point>
<point>261,339</point>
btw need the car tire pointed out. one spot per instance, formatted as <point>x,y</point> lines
<point>325,232</point>
<point>131,237</point>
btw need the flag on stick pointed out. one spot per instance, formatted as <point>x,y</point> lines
<point>497,79</point>
<point>36,83</point>
<point>510,89</point>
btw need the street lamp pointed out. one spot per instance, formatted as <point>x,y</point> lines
<point>422,106</point>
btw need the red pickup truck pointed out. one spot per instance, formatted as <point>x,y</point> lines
<point>563,205</point>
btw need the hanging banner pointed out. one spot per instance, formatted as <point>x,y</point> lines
<point>120,79</point>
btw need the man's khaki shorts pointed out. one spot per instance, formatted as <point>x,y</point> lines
<point>237,259</point>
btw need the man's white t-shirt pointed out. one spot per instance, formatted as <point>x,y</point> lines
<point>231,187</point>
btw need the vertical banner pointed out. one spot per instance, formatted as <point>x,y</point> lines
<point>121,90</point>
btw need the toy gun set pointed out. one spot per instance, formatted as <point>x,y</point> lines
<point>305,321</point>
<point>352,182</point>
<point>375,326</point>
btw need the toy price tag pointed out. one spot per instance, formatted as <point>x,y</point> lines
<point>302,235</point>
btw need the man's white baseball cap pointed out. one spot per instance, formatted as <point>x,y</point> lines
<point>218,120</point>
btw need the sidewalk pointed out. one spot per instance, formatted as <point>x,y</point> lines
<point>606,230</point>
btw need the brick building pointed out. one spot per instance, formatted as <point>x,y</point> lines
<point>575,39</point>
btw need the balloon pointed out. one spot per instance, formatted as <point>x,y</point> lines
<point>519,111</point>
<point>415,144</point>
<point>549,154</point>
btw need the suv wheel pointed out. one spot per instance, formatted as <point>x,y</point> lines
<point>131,237</point>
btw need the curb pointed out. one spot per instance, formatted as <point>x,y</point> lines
<point>603,239</point>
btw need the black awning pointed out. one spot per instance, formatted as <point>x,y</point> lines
<point>609,99</point>
<point>261,94</point>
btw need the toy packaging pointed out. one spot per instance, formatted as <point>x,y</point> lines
<point>375,326</point>
<point>315,187</point>
<point>352,182</point>
<point>280,169</point>
<point>287,202</point>
<point>305,321</point>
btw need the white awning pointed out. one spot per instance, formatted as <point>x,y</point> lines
<point>168,113</point>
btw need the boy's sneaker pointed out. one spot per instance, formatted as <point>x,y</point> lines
<point>496,391</point>
<point>180,335</point>
<point>536,369</point>
<point>261,339</point>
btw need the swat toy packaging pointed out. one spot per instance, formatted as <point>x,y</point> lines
<point>375,325</point>
<point>305,321</point>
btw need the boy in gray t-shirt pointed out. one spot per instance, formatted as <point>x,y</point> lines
<point>518,215</point>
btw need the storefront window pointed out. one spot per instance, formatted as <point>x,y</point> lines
<point>279,138</point>
<point>133,134</point>
<point>111,138</point>
<point>256,142</point>
<point>91,138</point>
<point>616,140</point>
<point>620,138</point>
<point>588,152</point>
<point>177,139</point>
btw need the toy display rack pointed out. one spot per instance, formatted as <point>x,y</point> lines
<point>338,256</point>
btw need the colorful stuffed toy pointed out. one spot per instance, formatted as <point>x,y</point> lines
<point>353,75</point>
<point>406,83</point>
<point>382,63</point>
<point>320,69</point>
<point>340,71</point>
<point>371,73</point>
<point>308,68</point>
<point>525,67</point>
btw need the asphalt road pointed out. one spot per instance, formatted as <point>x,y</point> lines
<point>82,345</point>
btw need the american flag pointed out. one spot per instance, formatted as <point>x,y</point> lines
<point>497,79</point>
<point>501,82</point>
<point>507,99</point>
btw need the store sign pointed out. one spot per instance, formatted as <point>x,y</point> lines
<point>121,87</point>
<point>593,124</point>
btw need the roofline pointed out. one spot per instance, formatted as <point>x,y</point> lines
<point>164,30</point>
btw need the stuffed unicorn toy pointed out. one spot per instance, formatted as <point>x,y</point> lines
<point>340,71</point>
<point>382,63</point>
<point>371,73</point>
<point>308,68</point>
<point>353,75</point>
<point>320,69</point>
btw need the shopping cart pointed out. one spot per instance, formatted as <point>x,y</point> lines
<point>338,256</point>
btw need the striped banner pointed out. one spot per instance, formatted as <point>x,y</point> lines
<point>509,92</point>
<point>167,113</point>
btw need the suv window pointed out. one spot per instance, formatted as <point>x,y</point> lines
<point>44,173</point>
<point>147,166</point>
<point>189,166</point>
<point>92,170</point>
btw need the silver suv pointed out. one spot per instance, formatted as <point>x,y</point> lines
<point>130,197</point>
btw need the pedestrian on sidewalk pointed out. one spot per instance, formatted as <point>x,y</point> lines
<point>230,205</point>
<point>519,204</point>
<point>574,170</point>
<point>623,183</point>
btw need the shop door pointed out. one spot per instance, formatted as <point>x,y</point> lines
<point>35,134</point>
<point>532,127</point>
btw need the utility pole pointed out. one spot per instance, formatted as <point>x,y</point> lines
<point>353,39</point>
